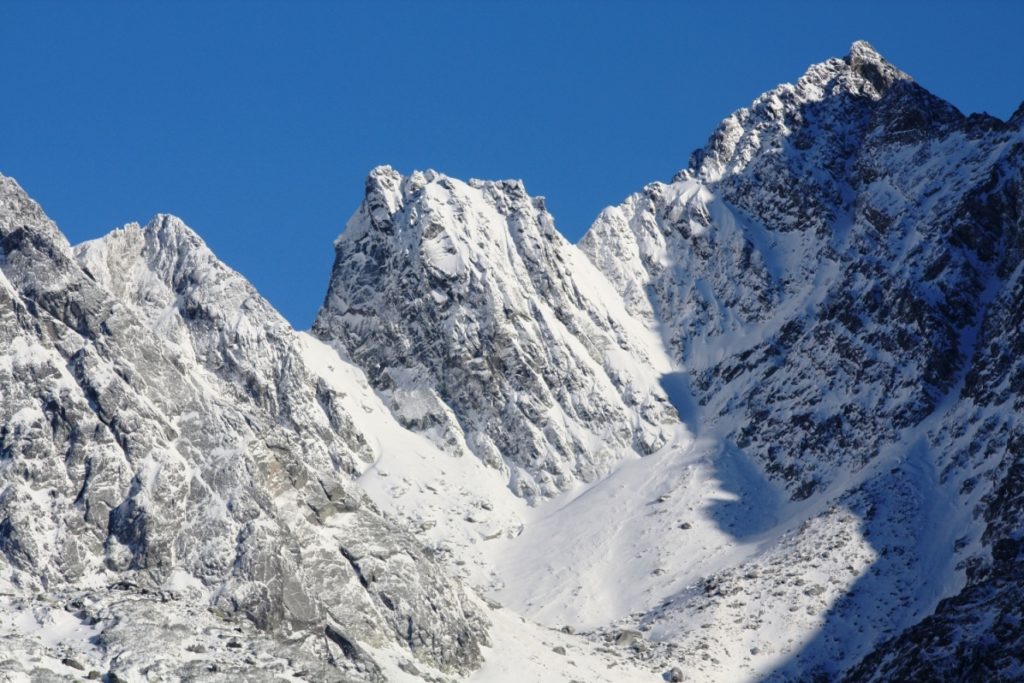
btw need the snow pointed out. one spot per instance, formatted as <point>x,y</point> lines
<point>525,652</point>
<point>51,629</point>
<point>597,555</point>
<point>433,490</point>
<point>441,256</point>
<point>592,557</point>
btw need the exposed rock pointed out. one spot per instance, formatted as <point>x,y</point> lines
<point>160,426</point>
<point>628,637</point>
<point>480,322</point>
<point>838,274</point>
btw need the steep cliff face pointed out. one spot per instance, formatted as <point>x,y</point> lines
<point>491,333</point>
<point>161,434</point>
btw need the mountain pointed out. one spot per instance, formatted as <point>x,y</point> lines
<point>170,463</point>
<point>488,331</point>
<point>761,423</point>
<point>837,274</point>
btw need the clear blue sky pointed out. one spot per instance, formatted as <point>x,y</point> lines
<point>257,122</point>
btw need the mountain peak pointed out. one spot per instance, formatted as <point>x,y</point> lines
<point>837,89</point>
<point>166,231</point>
<point>862,50</point>
<point>382,176</point>
<point>18,210</point>
<point>164,239</point>
<point>1018,115</point>
<point>868,64</point>
<point>863,72</point>
<point>168,223</point>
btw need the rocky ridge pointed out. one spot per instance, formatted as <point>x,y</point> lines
<point>836,273</point>
<point>491,333</point>
<point>161,434</point>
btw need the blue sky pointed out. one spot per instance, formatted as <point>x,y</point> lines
<point>257,122</point>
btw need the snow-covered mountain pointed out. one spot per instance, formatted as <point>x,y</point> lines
<point>170,464</point>
<point>836,274</point>
<point>761,423</point>
<point>489,332</point>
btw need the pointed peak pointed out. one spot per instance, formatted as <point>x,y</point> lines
<point>382,197</point>
<point>167,221</point>
<point>168,227</point>
<point>863,74</point>
<point>9,185</point>
<point>13,199</point>
<point>18,210</point>
<point>388,192</point>
<point>862,50</point>
<point>1018,116</point>
<point>164,237</point>
<point>866,62</point>
<point>383,175</point>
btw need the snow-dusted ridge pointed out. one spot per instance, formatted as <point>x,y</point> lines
<point>492,334</point>
<point>761,423</point>
<point>823,273</point>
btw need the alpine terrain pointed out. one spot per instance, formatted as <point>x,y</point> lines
<point>764,422</point>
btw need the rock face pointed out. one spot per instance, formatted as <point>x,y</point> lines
<point>838,273</point>
<point>160,432</point>
<point>820,270</point>
<point>978,631</point>
<point>491,333</point>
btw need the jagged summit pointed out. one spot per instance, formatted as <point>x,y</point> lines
<point>862,72</point>
<point>832,274</point>
<point>19,211</point>
<point>387,192</point>
<point>466,303</point>
<point>867,63</point>
<point>840,91</point>
<point>1018,115</point>
<point>863,50</point>
<point>162,263</point>
<point>164,234</point>
<point>164,431</point>
<point>169,228</point>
